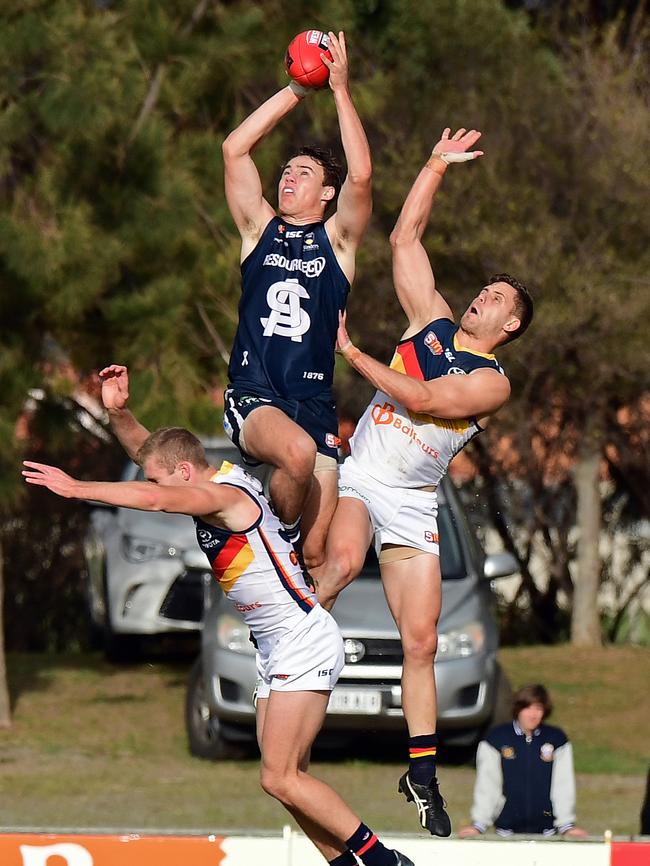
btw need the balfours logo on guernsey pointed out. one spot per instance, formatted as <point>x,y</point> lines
<point>385,414</point>
<point>433,344</point>
<point>287,318</point>
<point>244,608</point>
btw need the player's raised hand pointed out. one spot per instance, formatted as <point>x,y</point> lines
<point>338,66</point>
<point>49,476</point>
<point>115,386</point>
<point>456,147</point>
<point>344,344</point>
<point>343,340</point>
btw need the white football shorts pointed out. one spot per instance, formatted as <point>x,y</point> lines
<point>308,658</point>
<point>403,516</point>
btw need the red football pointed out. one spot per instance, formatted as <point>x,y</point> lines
<point>303,58</point>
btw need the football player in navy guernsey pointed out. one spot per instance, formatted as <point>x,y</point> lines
<point>441,387</point>
<point>296,270</point>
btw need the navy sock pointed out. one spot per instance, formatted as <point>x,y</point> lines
<point>367,846</point>
<point>422,758</point>
<point>347,858</point>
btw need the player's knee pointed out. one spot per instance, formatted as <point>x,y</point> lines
<point>313,555</point>
<point>420,647</point>
<point>276,785</point>
<point>299,457</point>
<point>341,567</point>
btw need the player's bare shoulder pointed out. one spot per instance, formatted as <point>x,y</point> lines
<point>492,388</point>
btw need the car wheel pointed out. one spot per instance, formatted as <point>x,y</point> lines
<point>204,734</point>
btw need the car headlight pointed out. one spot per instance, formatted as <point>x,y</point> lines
<point>144,549</point>
<point>461,642</point>
<point>234,635</point>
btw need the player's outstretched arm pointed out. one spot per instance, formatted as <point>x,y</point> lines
<point>354,206</point>
<point>412,272</point>
<point>250,210</point>
<point>194,499</point>
<point>453,397</point>
<point>115,397</point>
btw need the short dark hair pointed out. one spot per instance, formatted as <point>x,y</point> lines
<point>523,304</point>
<point>532,693</point>
<point>332,168</point>
<point>171,445</point>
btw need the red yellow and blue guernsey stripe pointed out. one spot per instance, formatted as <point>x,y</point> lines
<point>405,360</point>
<point>304,601</point>
<point>232,560</point>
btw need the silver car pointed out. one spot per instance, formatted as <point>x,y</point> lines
<point>145,570</point>
<point>472,690</point>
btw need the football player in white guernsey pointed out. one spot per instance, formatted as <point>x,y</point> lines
<point>304,480</point>
<point>300,648</point>
<point>441,387</point>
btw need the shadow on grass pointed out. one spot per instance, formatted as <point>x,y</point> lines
<point>37,672</point>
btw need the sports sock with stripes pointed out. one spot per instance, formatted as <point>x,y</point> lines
<point>367,846</point>
<point>422,758</point>
<point>347,858</point>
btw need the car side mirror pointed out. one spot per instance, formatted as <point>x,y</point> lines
<point>499,565</point>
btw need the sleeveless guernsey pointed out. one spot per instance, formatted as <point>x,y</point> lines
<point>257,569</point>
<point>405,449</point>
<point>293,289</point>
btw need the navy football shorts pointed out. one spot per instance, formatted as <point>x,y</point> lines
<point>316,416</point>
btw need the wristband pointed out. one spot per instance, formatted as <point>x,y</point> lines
<point>350,352</point>
<point>298,90</point>
<point>437,164</point>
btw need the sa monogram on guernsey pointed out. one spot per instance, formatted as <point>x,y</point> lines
<point>293,289</point>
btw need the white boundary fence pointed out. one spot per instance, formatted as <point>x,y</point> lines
<point>96,848</point>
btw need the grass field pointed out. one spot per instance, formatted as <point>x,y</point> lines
<point>95,745</point>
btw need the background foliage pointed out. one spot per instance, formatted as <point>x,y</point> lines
<point>116,243</point>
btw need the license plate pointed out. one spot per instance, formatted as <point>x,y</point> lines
<point>354,701</point>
